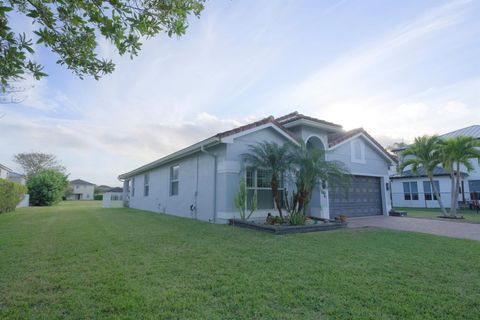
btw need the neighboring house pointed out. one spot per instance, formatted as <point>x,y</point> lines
<point>80,190</point>
<point>410,190</point>
<point>16,177</point>
<point>202,180</point>
<point>8,174</point>
<point>4,171</point>
<point>101,189</point>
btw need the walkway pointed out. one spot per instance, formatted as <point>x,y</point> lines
<point>442,228</point>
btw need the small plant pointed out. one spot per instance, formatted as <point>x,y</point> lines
<point>297,218</point>
<point>274,219</point>
<point>241,201</point>
<point>342,218</point>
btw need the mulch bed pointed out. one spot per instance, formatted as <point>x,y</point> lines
<point>452,218</point>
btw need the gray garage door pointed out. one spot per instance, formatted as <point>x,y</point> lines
<point>363,198</point>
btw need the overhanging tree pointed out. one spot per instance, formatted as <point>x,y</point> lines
<point>71,29</point>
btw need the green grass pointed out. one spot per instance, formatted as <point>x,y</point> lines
<point>78,261</point>
<point>430,213</point>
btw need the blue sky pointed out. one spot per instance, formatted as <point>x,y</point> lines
<point>397,68</point>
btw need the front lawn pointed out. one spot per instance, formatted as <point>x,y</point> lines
<point>430,213</point>
<point>78,261</point>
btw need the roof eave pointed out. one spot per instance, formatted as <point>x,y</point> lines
<point>172,157</point>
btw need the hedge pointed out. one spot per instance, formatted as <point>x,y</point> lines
<point>47,188</point>
<point>11,194</point>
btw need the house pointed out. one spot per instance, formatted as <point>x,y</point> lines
<point>16,177</point>
<point>201,181</point>
<point>80,190</point>
<point>4,171</point>
<point>415,190</point>
<point>9,174</point>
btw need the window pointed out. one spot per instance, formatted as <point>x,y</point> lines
<point>410,191</point>
<point>259,183</point>
<point>429,191</point>
<point>146,181</point>
<point>133,187</point>
<point>174,180</point>
<point>358,151</point>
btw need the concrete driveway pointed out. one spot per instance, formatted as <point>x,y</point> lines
<point>442,228</point>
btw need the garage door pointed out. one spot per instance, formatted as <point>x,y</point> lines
<point>363,198</point>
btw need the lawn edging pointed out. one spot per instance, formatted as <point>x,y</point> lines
<point>287,229</point>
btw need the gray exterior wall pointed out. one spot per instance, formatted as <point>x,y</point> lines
<point>196,178</point>
<point>195,187</point>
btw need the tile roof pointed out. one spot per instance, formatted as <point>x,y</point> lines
<point>82,182</point>
<point>255,124</point>
<point>294,116</point>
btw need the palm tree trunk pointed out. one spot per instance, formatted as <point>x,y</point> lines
<point>437,194</point>
<point>452,189</point>
<point>453,212</point>
<point>276,198</point>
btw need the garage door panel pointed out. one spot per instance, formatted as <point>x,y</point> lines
<point>363,198</point>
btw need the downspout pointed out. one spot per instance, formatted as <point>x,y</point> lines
<point>214,156</point>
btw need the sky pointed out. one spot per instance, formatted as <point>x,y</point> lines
<point>399,69</point>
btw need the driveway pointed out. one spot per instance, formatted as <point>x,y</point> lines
<point>442,228</point>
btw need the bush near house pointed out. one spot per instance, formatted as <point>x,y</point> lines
<point>47,187</point>
<point>11,194</point>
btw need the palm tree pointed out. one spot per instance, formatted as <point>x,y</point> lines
<point>310,168</point>
<point>274,157</point>
<point>457,152</point>
<point>426,155</point>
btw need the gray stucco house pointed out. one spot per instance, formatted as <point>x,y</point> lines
<point>201,181</point>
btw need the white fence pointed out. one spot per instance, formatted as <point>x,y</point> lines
<point>112,200</point>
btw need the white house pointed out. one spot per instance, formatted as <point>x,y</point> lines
<point>201,181</point>
<point>9,174</point>
<point>409,190</point>
<point>80,190</point>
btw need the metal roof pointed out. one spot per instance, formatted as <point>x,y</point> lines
<point>472,131</point>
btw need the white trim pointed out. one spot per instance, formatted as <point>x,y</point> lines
<point>361,134</point>
<point>230,138</point>
<point>324,142</point>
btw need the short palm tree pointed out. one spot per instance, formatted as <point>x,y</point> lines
<point>425,155</point>
<point>310,168</point>
<point>273,157</point>
<point>455,153</point>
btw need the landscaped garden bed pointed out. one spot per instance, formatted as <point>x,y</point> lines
<point>315,226</point>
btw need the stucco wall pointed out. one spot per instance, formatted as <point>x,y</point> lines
<point>195,187</point>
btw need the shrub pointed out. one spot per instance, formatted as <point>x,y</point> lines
<point>274,219</point>
<point>98,197</point>
<point>11,194</point>
<point>297,218</point>
<point>47,187</point>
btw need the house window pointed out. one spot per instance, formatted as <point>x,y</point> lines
<point>133,187</point>
<point>146,182</point>
<point>410,190</point>
<point>174,180</point>
<point>259,183</point>
<point>357,151</point>
<point>429,191</point>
